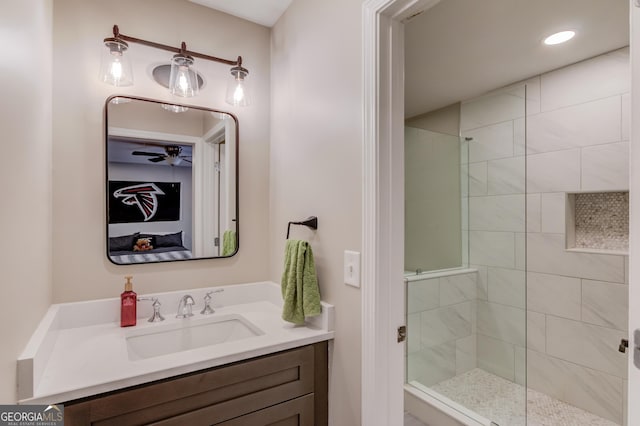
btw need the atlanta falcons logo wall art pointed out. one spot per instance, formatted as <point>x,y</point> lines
<point>143,195</point>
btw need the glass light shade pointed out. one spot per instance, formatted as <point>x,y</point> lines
<point>237,92</point>
<point>174,108</point>
<point>183,80</point>
<point>173,161</point>
<point>119,100</point>
<point>115,68</point>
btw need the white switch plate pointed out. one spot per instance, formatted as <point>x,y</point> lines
<point>352,268</point>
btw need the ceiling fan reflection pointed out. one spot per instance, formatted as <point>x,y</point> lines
<point>172,155</point>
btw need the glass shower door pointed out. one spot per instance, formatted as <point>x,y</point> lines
<point>466,286</point>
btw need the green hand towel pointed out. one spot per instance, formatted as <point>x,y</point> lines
<point>300,290</point>
<point>228,243</point>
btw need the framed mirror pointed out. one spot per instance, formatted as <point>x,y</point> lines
<point>171,182</point>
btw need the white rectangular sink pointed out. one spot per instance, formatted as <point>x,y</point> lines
<point>189,334</point>
<point>79,348</point>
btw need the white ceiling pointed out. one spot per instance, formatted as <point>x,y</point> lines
<point>263,12</point>
<point>460,49</point>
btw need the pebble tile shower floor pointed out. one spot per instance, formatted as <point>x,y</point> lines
<point>502,402</point>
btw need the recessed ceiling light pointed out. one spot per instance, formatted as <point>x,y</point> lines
<point>560,37</point>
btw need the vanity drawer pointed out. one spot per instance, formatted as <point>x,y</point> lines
<point>297,412</point>
<point>223,393</point>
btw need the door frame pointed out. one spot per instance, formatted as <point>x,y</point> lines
<point>383,208</point>
<point>383,308</point>
<point>633,386</point>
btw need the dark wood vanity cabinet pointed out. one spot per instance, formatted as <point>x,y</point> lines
<point>284,388</point>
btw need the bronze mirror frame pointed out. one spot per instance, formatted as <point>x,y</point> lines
<point>236,162</point>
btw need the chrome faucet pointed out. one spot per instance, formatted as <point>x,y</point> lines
<point>185,306</point>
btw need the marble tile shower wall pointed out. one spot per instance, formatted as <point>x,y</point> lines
<point>441,340</point>
<point>576,303</point>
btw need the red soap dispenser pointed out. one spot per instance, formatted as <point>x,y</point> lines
<point>128,305</point>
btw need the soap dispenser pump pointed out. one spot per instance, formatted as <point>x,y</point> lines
<point>128,305</point>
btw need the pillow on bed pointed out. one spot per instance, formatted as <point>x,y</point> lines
<point>169,240</point>
<point>123,243</point>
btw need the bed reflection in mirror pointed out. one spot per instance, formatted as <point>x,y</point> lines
<point>171,182</point>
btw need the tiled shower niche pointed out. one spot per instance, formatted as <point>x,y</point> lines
<point>598,221</point>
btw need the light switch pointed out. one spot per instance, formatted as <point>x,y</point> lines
<point>352,268</point>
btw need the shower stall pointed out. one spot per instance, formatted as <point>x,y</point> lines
<point>516,231</point>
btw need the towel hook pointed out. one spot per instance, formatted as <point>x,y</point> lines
<point>310,222</point>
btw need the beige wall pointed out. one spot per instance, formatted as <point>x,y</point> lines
<point>433,201</point>
<point>25,120</point>
<point>316,165</point>
<point>444,120</point>
<point>80,268</point>
<point>433,191</point>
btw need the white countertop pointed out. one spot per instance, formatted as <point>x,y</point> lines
<point>79,349</point>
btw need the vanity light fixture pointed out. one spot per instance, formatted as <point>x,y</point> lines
<point>116,67</point>
<point>236,88</point>
<point>183,80</point>
<point>559,37</point>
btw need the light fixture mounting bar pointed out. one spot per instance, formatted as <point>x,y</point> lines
<point>119,36</point>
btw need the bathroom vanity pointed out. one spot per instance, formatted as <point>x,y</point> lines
<point>288,387</point>
<point>242,364</point>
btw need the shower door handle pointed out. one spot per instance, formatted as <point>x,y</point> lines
<point>402,333</point>
<point>624,344</point>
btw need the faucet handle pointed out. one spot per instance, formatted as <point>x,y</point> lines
<point>208,310</point>
<point>156,317</point>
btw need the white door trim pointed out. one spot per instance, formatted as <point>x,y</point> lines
<point>633,392</point>
<point>383,208</point>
